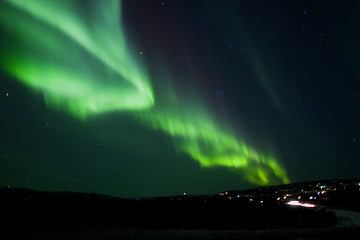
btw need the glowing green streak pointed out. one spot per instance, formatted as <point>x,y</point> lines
<point>83,65</point>
<point>211,145</point>
<point>52,62</point>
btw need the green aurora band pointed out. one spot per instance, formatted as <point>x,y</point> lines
<point>57,39</point>
<point>82,64</point>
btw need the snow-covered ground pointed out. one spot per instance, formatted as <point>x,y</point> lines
<point>347,218</point>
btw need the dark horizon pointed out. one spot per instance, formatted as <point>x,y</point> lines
<point>186,194</point>
<point>329,206</point>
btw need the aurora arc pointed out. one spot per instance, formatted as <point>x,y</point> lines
<point>61,47</point>
<point>59,38</point>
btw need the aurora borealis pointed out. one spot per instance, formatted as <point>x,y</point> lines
<point>52,39</point>
<point>140,109</point>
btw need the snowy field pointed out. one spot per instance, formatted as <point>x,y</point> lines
<point>347,218</point>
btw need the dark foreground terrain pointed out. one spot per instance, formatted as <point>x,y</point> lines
<point>293,211</point>
<point>150,234</point>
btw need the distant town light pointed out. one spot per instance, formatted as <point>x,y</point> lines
<point>297,203</point>
<point>308,205</point>
<point>294,203</point>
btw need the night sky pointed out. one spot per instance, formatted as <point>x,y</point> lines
<point>147,98</point>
